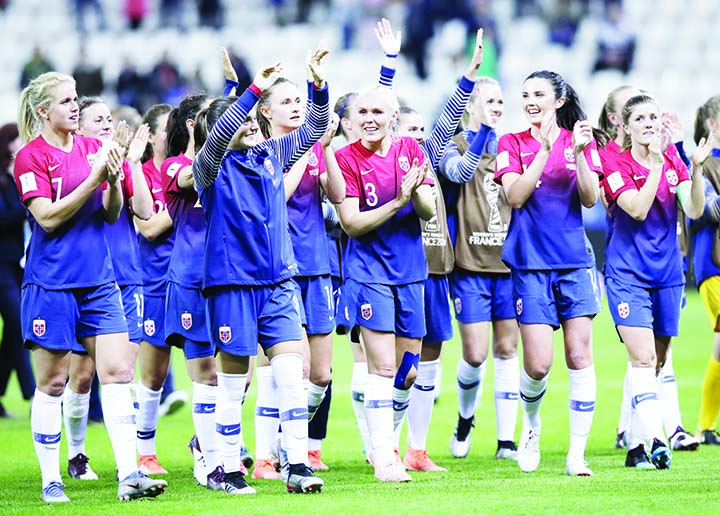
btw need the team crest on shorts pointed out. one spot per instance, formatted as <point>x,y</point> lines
<point>671,176</point>
<point>458,305</point>
<point>39,327</point>
<point>404,163</point>
<point>366,311</point>
<point>623,310</point>
<point>149,326</point>
<point>225,334</point>
<point>518,306</point>
<point>186,320</point>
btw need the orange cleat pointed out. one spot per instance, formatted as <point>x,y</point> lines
<point>316,462</point>
<point>150,465</point>
<point>265,470</point>
<point>418,460</point>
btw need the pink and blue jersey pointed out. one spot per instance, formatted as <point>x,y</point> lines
<point>547,232</point>
<point>305,218</point>
<point>392,253</point>
<point>188,218</point>
<point>155,254</point>
<point>76,254</point>
<point>122,240</point>
<point>645,253</point>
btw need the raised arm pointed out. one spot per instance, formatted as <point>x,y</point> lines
<point>112,195</point>
<point>231,78</point>
<point>390,42</point>
<point>141,201</point>
<point>207,162</point>
<point>290,147</point>
<point>692,199</point>
<point>332,181</point>
<point>454,108</point>
<point>588,184</point>
<point>460,168</point>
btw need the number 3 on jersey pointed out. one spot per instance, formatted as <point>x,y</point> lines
<point>371,198</point>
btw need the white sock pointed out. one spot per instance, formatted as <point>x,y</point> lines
<point>668,394</point>
<point>379,414</point>
<point>203,414</point>
<point>228,418</point>
<point>46,425</point>
<point>119,415</point>
<point>147,422</point>
<point>646,417</point>
<point>507,384</point>
<point>287,371</point>
<point>583,392</point>
<point>314,444</point>
<point>75,415</point>
<point>267,416</point>
<point>315,396</point>
<point>422,400</point>
<point>401,401</point>
<point>469,386</point>
<point>626,406</point>
<point>357,395</point>
<point>531,395</point>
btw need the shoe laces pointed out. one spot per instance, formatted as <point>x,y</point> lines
<point>54,488</point>
<point>80,463</point>
<point>463,427</point>
<point>302,470</point>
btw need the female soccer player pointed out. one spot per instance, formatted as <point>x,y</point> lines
<point>385,261</point>
<point>644,276</point>
<point>249,262</point>
<point>707,272</point>
<point>480,283</point>
<point>96,122</point>
<point>60,177</point>
<point>547,172</point>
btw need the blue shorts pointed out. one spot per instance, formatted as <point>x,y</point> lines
<point>318,303</point>
<point>241,317</point>
<point>552,297</point>
<point>154,321</point>
<point>132,300</point>
<point>654,308</point>
<point>57,319</point>
<point>397,309</point>
<point>438,319</point>
<point>481,297</point>
<point>185,315</point>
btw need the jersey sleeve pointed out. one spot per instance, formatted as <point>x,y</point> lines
<point>352,188</point>
<point>31,178</point>
<point>171,189</point>
<point>618,179</point>
<point>508,157</point>
<point>592,156</point>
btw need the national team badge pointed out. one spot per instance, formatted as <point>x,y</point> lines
<point>404,163</point>
<point>458,305</point>
<point>518,306</point>
<point>623,310</point>
<point>672,177</point>
<point>225,334</point>
<point>313,160</point>
<point>569,155</point>
<point>269,166</point>
<point>186,320</point>
<point>149,327</point>
<point>39,327</point>
<point>366,311</point>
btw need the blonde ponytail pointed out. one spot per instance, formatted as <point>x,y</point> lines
<point>37,94</point>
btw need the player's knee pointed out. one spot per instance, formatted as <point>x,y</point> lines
<point>320,378</point>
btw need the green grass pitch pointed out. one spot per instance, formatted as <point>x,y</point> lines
<point>476,485</point>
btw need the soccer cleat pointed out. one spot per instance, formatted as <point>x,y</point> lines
<point>528,454</point>
<point>710,437</point>
<point>418,460</point>
<point>577,467</point>
<point>638,459</point>
<point>620,442</point>
<point>660,455</point>
<point>301,480</point>
<point>78,467</point>
<point>236,484</point>
<point>391,471</point>
<point>265,470</point>
<point>216,479</point>
<point>53,493</point>
<point>680,440</point>
<point>506,450</point>
<point>199,464</point>
<point>460,442</point>
<point>150,465</point>
<point>246,458</point>
<point>172,403</point>
<point>315,460</point>
<point>139,485</point>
